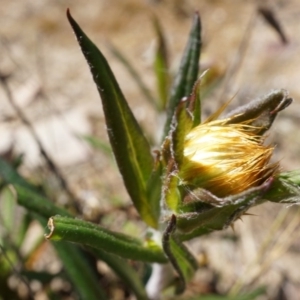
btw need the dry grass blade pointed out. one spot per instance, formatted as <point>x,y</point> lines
<point>271,249</point>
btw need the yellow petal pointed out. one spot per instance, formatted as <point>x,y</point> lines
<point>225,158</point>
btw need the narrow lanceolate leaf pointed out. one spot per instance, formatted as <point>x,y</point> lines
<point>79,272</point>
<point>188,71</point>
<point>9,175</point>
<point>127,274</point>
<point>38,204</point>
<point>23,228</point>
<point>88,234</point>
<point>27,194</point>
<point>182,260</point>
<point>7,210</point>
<point>130,147</point>
<point>74,261</point>
<point>75,265</point>
<point>97,143</point>
<point>154,187</point>
<point>161,66</point>
<point>135,76</point>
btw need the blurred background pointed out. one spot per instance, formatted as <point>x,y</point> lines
<point>51,87</point>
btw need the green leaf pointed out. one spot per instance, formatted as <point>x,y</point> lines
<point>10,175</point>
<point>41,206</point>
<point>28,195</point>
<point>38,204</point>
<point>97,143</point>
<point>7,209</point>
<point>212,80</point>
<point>134,74</point>
<point>22,230</point>
<point>131,149</point>
<point>188,71</point>
<point>127,274</point>
<point>41,276</point>
<point>85,233</point>
<point>154,186</point>
<point>161,66</point>
<point>181,259</point>
<point>79,272</point>
<point>75,264</point>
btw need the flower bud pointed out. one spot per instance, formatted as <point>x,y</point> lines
<point>226,159</point>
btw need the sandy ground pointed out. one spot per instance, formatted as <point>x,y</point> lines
<point>52,85</point>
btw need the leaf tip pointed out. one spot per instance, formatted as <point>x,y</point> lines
<point>68,13</point>
<point>69,16</point>
<point>51,227</point>
<point>197,18</point>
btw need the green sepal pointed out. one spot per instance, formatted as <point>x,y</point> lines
<point>188,72</point>
<point>89,234</point>
<point>172,154</point>
<point>181,124</point>
<point>292,176</point>
<point>194,106</point>
<point>217,213</point>
<point>212,81</point>
<point>261,112</point>
<point>285,189</point>
<point>154,186</point>
<point>182,260</point>
<point>130,147</point>
<point>171,196</point>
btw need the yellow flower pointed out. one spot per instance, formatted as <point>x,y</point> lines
<point>226,159</point>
